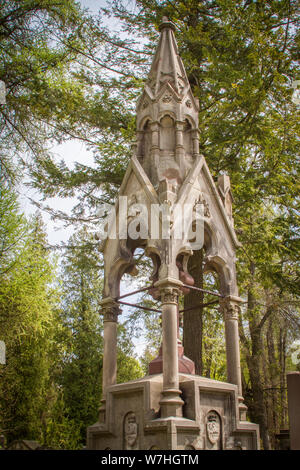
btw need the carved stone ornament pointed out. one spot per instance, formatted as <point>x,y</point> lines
<point>181,83</point>
<point>188,103</point>
<point>130,432</point>
<point>167,98</point>
<point>169,295</point>
<point>202,200</point>
<point>213,427</point>
<point>145,104</point>
<point>230,309</point>
<point>151,83</point>
<point>111,312</point>
<point>132,200</point>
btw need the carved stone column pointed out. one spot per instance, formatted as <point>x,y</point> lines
<point>138,143</point>
<point>154,126</point>
<point>179,141</point>
<point>110,311</point>
<point>195,139</point>
<point>230,309</point>
<point>171,403</point>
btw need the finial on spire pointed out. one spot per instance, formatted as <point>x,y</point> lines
<point>166,23</point>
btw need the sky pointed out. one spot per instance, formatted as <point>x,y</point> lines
<point>71,152</point>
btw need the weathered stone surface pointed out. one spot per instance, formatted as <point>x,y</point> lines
<point>210,418</point>
<point>171,410</point>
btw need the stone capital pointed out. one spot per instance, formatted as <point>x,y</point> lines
<point>230,307</point>
<point>169,295</point>
<point>110,309</point>
<point>169,290</point>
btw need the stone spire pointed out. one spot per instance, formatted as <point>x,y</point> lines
<point>167,119</point>
<point>167,66</point>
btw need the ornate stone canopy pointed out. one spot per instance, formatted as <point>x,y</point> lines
<point>166,170</point>
<point>170,205</point>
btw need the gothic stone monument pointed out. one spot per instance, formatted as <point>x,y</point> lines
<point>171,408</point>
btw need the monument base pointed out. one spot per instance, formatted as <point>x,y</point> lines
<point>210,418</point>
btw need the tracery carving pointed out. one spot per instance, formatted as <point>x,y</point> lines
<point>167,98</point>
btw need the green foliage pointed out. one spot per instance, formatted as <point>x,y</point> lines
<point>47,49</point>
<point>50,388</point>
<point>61,430</point>
<point>12,228</point>
<point>28,322</point>
<point>129,367</point>
<point>69,76</point>
<point>79,374</point>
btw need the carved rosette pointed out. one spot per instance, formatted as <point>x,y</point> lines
<point>230,309</point>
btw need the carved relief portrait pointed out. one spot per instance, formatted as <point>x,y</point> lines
<point>130,428</point>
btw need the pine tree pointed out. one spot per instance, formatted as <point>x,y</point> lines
<point>80,376</point>
<point>27,323</point>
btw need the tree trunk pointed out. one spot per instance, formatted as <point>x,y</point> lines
<point>273,374</point>
<point>257,408</point>
<point>283,385</point>
<point>192,320</point>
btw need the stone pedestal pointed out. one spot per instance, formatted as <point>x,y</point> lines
<point>210,418</point>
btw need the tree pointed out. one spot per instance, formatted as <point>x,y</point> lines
<point>12,228</point>
<point>241,59</point>
<point>80,374</point>
<point>28,323</point>
<point>46,50</point>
